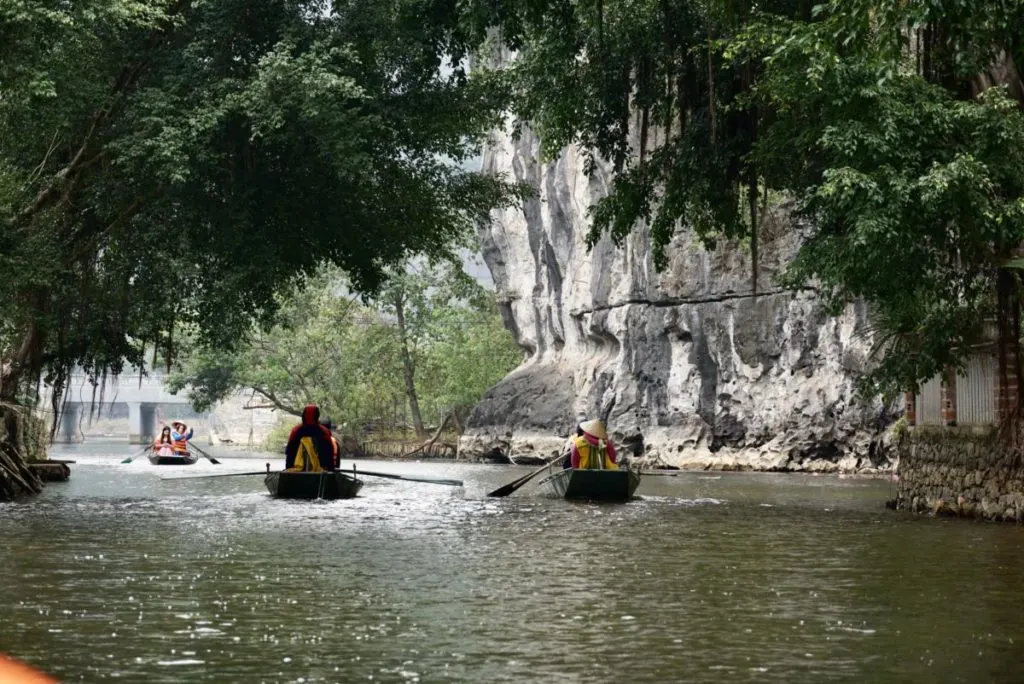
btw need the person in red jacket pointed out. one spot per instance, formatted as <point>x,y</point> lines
<point>309,444</point>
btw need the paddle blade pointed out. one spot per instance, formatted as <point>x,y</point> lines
<point>516,484</point>
<point>505,490</point>
<point>207,456</point>
<point>512,486</point>
<point>136,455</point>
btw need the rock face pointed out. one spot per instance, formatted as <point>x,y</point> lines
<point>688,367</point>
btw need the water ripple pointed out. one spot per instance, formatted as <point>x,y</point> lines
<point>747,578</point>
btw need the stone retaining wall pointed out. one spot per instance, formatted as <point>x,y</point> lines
<point>960,471</point>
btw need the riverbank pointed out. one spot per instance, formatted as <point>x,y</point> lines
<point>529,449</point>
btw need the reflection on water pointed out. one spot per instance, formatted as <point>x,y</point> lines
<point>730,577</point>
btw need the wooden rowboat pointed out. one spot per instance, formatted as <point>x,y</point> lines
<point>595,485</point>
<point>289,484</point>
<point>187,459</point>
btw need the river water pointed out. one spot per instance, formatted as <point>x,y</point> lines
<point>118,574</point>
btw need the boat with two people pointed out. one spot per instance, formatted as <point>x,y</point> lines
<point>171,447</point>
<point>311,464</point>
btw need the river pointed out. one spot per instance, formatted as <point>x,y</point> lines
<point>118,574</point>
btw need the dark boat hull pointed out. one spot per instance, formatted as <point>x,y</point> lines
<point>188,459</point>
<point>593,485</point>
<point>286,484</point>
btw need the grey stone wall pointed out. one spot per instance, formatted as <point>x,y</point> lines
<point>963,471</point>
<point>690,367</point>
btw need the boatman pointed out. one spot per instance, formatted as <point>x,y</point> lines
<point>180,434</point>
<point>592,450</point>
<point>335,447</point>
<point>567,449</point>
<point>309,444</point>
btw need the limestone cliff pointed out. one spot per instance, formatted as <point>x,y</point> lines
<point>688,367</point>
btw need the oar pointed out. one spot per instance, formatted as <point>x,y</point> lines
<point>209,458</point>
<point>135,456</point>
<point>505,490</point>
<point>429,480</point>
<point>199,477</point>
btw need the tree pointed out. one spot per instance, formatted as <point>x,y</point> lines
<point>433,337</point>
<point>470,352</point>
<point>325,348</point>
<point>169,163</point>
<point>419,296</point>
<point>895,128</point>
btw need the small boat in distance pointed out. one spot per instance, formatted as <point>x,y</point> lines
<point>593,485</point>
<point>188,458</point>
<point>298,484</point>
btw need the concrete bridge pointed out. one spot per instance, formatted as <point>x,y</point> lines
<point>144,398</point>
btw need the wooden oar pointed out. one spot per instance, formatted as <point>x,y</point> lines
<point>209,458</point>
<point>135,456</point>
<point>429,480</point>
<point>505,490</point>
<point>199,477</point>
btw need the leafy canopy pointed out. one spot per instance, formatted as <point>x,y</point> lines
<point>167,162</point>
<point>895,128</point>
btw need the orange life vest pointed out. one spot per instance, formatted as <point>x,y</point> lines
<point>337,451</point>
<point>179,445</point>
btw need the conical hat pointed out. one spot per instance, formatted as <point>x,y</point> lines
<point>594,428</point>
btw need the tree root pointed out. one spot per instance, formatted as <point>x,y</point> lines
<point>16,478</point>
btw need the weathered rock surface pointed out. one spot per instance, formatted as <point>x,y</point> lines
<point>688,366</point>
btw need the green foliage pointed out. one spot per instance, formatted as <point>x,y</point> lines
<point>346,356</point>
<point>877,118</point>
<point>470,351</point>
<point>177,163</point>
<point>913,196</point>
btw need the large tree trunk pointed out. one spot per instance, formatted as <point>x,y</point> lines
<point>24,364</point>
<point>408,369</point>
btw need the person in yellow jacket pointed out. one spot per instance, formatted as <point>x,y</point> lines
<point>591,449</point>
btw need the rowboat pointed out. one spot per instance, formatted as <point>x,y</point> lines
<point>288,484</point>
<point>595,485</point>
<point>187,459</point>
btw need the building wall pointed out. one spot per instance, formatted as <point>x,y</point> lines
<point>973,395</point>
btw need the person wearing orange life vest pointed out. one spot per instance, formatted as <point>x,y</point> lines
<point>180,434</point>
<point>326,423</point>
<point>591,449</point>
<point>309,444</point>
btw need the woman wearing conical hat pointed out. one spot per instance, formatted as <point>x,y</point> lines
<point>591,449</point>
